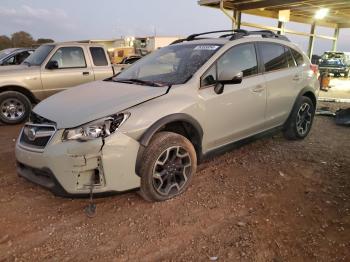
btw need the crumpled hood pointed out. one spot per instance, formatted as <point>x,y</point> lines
<point>94,100</point>
<point>18,70</point>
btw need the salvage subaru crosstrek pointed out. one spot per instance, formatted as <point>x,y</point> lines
<point>150,125</point>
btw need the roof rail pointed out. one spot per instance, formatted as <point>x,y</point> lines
<point>195,36</point>
<point>268,34</point>
<point>234,35</point>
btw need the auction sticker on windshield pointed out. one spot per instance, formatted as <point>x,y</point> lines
<point>206,47</point>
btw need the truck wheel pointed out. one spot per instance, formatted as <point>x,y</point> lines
<point>14,107</point>
<point>299,122</point>
<point>168,165</point>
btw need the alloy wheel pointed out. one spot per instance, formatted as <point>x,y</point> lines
<point>12,109</point>
<point>304,118</point>
<point>171,171</point>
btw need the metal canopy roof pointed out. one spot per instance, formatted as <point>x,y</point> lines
<point>300,11</point>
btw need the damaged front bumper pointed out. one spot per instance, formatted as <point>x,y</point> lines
<point>69,168</point>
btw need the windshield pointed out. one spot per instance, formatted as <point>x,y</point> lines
<point>171,65</point>
<point>39,55</point>
<point>6,52</point>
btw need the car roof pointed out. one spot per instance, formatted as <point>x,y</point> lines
<point>74,43</point>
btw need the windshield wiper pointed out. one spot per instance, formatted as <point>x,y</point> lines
<point>138,81</point>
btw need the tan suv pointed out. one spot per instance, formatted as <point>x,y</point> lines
<point>51,68</point>
<point>150,125</point>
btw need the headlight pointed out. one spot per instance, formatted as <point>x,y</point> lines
<point>99,128</point>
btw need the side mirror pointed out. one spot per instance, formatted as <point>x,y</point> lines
<point>52,65</point>
<point>227,77</point>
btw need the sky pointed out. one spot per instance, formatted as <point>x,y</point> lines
<point>67,20</point>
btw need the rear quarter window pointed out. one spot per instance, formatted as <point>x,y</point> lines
<point>98,56</point>
<point>299,58</point>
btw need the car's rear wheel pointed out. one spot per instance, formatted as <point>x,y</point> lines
<point>168,164</point>
<point>300,121</point>
<point>14,107</point>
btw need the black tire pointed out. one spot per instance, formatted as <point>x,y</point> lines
<point>295,127</point>
<point>10,102</point>
<point>162,148</point>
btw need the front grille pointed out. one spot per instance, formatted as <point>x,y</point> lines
<point>36,136</point>
<point>36,119</point>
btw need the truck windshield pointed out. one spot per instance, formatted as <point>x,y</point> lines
<point>38,57</point>
<point>171,65</point>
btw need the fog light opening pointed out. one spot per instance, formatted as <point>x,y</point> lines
<point>96,177</point>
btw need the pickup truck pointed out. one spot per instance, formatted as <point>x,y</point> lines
<point>51,68</point>
<point>336,63</point>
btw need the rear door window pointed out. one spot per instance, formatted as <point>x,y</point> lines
<point>273,56</point>
<point>98,56</point>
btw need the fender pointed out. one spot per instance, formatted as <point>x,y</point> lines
<point>25,91</point>
<point>154,128</point>
<point>146,137</point>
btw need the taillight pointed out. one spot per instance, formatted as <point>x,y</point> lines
<point>314,68</point>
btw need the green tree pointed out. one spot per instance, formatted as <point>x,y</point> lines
<point>22,39</point>
<point>5,42</point>
<point>41,41</point>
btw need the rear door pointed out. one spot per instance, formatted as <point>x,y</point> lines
<point>101,65</point>
<point>282,79</point>
<point>240,110</point>
<point>73,69</point>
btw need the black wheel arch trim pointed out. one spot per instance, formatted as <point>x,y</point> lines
<point>158,125</point>
<point>177,117</point>
<point>302,92</point>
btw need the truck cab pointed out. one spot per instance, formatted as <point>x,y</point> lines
<point>51,68</point>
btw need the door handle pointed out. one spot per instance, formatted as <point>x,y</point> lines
<point>86,73</point>
<point>296,78</point>
<point>258,89</point>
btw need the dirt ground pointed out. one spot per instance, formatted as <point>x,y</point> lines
<point>339,88</point>
<point>270,200</point>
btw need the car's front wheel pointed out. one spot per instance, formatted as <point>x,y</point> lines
<point>168,164</point>
<point>299,122</point>
<point>14,107</point>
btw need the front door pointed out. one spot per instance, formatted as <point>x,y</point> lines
<point>72,70</point>
<point>239,111</point>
